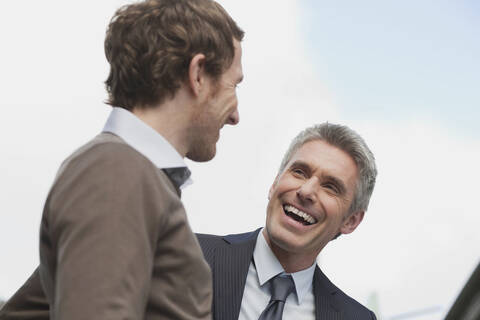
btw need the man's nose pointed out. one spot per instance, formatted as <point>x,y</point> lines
<point>308,190</point>
<point>234,118</point>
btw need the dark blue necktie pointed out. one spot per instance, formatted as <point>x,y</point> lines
<point>281,287</point>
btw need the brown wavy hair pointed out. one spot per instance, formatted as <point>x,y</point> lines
<point>150,44</point>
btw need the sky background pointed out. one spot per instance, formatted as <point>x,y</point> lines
<point>403,74</point>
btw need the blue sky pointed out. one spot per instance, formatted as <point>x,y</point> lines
<point>397,60</point>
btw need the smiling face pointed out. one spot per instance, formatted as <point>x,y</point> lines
<point>218,107</point>
<point>309,202</point>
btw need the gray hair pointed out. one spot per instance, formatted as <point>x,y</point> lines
<point>350,142</point>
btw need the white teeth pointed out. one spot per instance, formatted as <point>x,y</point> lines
<point>300,213</point>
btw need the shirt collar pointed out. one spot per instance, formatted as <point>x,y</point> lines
<point>145,140</point>
<point>268,266</point>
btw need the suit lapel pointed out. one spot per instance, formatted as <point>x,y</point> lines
<point>231,264</point>
<point>325,304</point>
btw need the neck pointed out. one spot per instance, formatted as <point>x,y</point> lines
<point>291,262</point>
<point>170,119</point>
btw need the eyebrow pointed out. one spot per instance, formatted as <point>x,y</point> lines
<point>342,189</point>
<point>339,183</point>
<point>303,165</point>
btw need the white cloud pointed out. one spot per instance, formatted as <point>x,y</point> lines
<point>279,97</point>
<point>52,67</point>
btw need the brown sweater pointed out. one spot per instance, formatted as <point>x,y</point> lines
<point>115,241</point>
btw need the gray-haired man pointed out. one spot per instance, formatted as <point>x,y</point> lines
<point>321,191</point>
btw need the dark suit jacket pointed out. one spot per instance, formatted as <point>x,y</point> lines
<point>229,258</point>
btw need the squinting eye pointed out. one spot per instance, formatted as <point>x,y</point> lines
<point>332,187</point>
<point>298,172</point>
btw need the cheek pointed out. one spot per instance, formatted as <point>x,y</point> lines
<point>230,98</point>
<point>288,185</point>
<point>334,208</point>
<point>336,212</point>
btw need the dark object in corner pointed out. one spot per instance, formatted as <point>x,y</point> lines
<point>467,304</point>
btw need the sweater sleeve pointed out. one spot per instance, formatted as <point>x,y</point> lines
<point>99,231</point>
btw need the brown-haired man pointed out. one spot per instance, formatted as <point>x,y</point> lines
<point>115,241</point>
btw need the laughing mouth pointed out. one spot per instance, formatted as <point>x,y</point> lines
<point>299,215</point>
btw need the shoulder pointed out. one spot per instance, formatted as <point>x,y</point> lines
<point>209,241</point>
<point>107,182</point>
<point>108,172</point>
<point>218,240</point>
<point>350,307</point>
<point>109,157</point>
<point>109,150</point>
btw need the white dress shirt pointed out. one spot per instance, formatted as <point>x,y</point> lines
<point>143,138</point>
<point>299,305</point>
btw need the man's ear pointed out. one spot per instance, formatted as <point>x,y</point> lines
<point>196,73</point>
<point>352,222</point>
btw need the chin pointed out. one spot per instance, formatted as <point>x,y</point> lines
<point>202,154</point>
<point>283,239</point>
